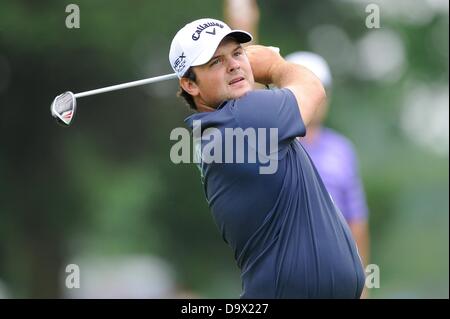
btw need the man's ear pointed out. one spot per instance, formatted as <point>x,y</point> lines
<point>189,86</point>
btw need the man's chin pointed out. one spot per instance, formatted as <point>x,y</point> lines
<point>238,93</point>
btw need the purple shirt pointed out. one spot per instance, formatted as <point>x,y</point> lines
<point>336,161</point>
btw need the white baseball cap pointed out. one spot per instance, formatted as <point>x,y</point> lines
<point>313,62</point>
<point>197,41</point>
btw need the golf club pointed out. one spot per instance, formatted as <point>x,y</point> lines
<point>64,105</point>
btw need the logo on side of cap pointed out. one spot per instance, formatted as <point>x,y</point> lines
<point>200,28</point>
<point>179,63</point>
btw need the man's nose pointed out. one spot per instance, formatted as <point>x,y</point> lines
<point>233,65</point>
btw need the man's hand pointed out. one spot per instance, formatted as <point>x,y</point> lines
<point>263,60</point>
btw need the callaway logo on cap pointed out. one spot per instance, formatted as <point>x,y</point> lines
<point>197,41</point>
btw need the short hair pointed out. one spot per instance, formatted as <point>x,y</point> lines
<point>190,74</point>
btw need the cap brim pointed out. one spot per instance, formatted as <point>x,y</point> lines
<point>240,36</point>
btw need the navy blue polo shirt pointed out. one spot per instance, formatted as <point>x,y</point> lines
<point>289,239</point>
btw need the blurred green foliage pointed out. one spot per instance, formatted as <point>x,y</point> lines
<point>107,186</point>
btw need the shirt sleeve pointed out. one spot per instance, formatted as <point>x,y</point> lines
<point>267,109</point>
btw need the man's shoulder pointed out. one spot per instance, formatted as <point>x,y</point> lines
<point>255,102</point>
<point>260,98</point>
<point>263,93</point>
<point>199,116</point>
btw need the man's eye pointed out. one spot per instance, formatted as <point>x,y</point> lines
<point>216,61</point>
<point>237,53</point>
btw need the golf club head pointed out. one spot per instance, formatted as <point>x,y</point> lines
<point>63,108</point>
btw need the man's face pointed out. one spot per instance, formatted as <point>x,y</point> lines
<point>228,75</point>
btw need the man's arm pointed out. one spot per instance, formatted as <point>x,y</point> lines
<point>270,68</point>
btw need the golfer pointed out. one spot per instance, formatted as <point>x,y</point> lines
<point>289,239</point>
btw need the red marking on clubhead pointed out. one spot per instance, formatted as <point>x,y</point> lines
<point>68,115</point>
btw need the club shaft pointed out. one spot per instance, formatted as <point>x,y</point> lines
<point>127,85</point>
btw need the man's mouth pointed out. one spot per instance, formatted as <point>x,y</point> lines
<point>236,80</point>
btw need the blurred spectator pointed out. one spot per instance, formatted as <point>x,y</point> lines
<point>243,15</point>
